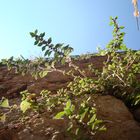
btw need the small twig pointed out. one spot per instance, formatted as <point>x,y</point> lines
<point>120,78</point>
<point>130,64</point>
<point>137,20</point>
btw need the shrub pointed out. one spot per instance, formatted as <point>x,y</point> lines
<point>118,76</point>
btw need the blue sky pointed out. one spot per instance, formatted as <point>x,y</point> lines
<point>84,24</point>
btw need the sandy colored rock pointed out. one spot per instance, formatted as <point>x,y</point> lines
<point>119,121</point>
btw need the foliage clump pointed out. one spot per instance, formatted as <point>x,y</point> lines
<point>120,70</point>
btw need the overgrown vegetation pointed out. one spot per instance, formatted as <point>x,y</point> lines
<point>118,76</point>
<point>76,102</point>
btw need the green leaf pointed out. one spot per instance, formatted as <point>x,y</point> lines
<point>111,18</point>
<point>25,105</point>
<point>36,42</point>
<point>103,128</point>
<point>116,17</point>
<point>2,118</point>
<point>63,61</point>
<point>40,44</point>
<point>43,48</point>
<point>49,40</point>
<point>4,102</point>
<point>93,126</point>
<point>92,119</point>
<point>36,31</point>
<point>123,47</point>
<point>43,74</point>
<point>121,27</point>
<point>96,124</point>
<point>59,45</point>
<point>32,34</point>
<point>51,46</point>
<point>67,112</point>
<point>72,108</point>
<point>47,53</point>
<point>82,116</point>
<point>42,34</point>
<point>59,115</point>
<point>68,104</point>
<point>111,23</point>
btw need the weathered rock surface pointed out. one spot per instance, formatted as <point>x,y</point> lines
<point>136,113</point>
<point>120,123</point>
